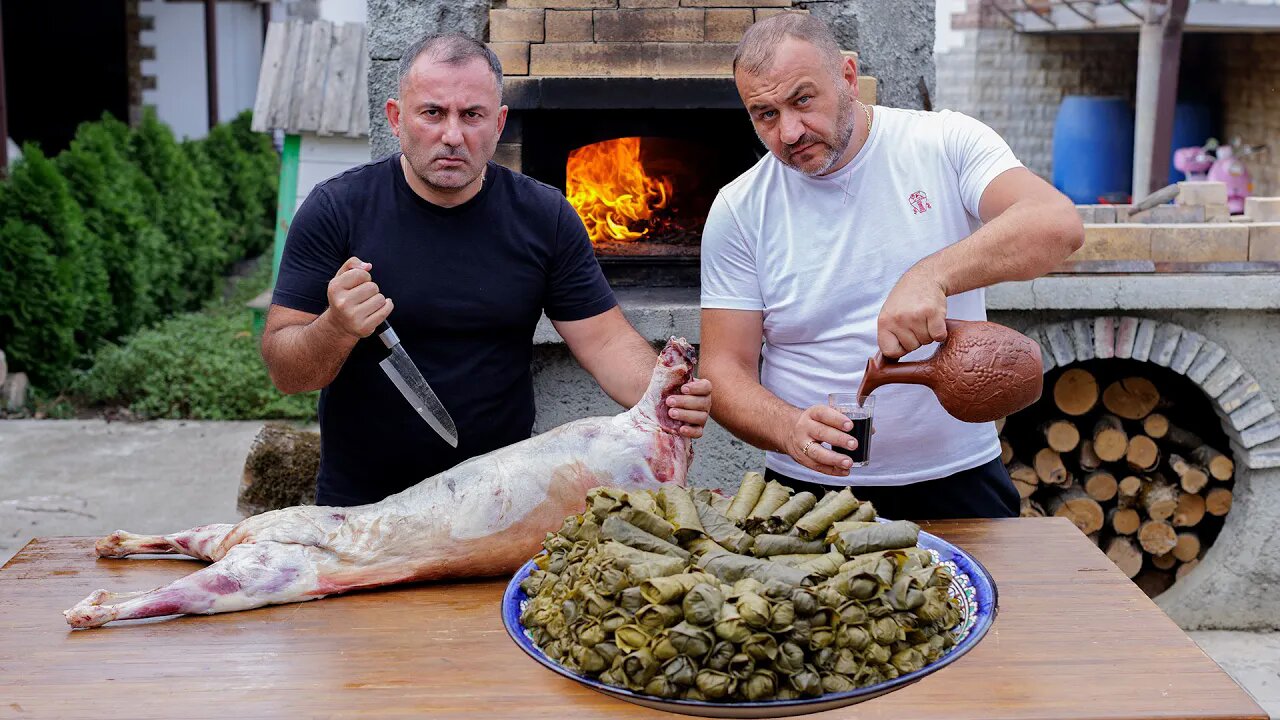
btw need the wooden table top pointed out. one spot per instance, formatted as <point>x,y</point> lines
<point>1073,638</point>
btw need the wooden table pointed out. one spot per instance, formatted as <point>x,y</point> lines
<point>1073,638</point>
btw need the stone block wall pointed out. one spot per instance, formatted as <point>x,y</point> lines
<point>1250,86</point>
<point>1015,82</point>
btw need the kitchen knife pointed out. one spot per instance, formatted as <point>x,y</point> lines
<point>409,381</point>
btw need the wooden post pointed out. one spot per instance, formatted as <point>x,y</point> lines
<point>286,199</point>
<point>211,58</point>
<point>1159,52</point>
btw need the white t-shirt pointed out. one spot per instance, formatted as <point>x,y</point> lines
<point>819,255</point>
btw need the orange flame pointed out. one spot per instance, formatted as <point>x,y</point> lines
<point>608,187</point>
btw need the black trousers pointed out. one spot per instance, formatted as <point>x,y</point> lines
<point>981,492</point>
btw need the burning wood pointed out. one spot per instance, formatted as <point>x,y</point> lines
<point>607,185</point>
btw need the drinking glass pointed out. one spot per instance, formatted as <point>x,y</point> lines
<point>860,413</point>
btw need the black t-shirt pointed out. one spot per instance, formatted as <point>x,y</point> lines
<point>469,284</point>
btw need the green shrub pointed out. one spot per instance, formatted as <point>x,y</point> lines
<point>242,168</point>
<point>204,366</point>
<point>113,193</point>
<point>54,292</point>
<point>184,210</point>
<point>262,172</point>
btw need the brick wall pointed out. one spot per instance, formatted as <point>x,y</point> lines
<point>1015,82</point>
<point>623,37</point>
<point>1250,89</point>
<point>893,38</point>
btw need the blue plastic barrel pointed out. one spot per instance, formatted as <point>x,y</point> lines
<point>1192,125</point>
<point>1093,147</point>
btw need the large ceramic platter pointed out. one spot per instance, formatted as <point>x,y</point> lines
<point>971,584</point>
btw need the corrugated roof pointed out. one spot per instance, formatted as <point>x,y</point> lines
<point>314,78</point>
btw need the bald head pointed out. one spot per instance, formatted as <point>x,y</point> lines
<point>759,46</point>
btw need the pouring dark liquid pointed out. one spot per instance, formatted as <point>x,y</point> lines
<point>982,371</point>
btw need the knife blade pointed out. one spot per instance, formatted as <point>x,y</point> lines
<point>409,381</point>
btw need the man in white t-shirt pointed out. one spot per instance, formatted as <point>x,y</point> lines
<point>862,229</point>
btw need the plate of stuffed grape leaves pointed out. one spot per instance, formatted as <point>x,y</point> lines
<point>765,603</point>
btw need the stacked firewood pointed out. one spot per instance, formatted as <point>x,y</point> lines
<point>1111,461</point>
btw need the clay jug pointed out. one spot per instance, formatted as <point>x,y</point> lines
<point>981,372</point>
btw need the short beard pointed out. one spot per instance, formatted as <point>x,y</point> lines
<point>445,183</point>
<point>845,125</point>
<point>846,122</point>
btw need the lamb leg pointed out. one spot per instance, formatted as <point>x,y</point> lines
<point>249,576</point>
<point>202,542</point>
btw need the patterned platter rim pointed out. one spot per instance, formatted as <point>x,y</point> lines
<point>971,583</point>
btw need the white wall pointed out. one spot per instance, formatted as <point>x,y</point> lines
<point>944,38</point>
<point>343,10</point>
<point>322,157</point>
<point>180,96</point>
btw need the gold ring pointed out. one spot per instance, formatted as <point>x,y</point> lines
<point>805,448</point>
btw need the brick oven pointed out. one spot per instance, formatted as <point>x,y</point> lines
<point>628,106</point>
<point>630,109</point>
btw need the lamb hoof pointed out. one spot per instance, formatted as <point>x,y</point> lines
<point>113,545</point>
<point>90,613</point>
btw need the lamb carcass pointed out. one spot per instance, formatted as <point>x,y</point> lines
<point>483,517</point>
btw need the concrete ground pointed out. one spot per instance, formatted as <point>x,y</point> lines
<point>89,477</point>
<point>78,477</point>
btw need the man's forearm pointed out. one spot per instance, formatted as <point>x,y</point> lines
<point>306,357</point>
<point>745,408</point>
<point>1024,242</point>
<point>634,358</point>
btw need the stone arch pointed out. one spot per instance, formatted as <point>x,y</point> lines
<point>1210,595</point>
<point>1248,417</point>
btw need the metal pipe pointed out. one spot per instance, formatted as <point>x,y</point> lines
<point>211,58</point>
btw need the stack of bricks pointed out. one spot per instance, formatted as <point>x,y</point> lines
<point>623,38</point>
<point>1197,228</point>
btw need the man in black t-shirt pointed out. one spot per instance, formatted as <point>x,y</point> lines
<point>468,255</point>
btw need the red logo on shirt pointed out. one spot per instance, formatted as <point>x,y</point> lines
<point>919,202</point>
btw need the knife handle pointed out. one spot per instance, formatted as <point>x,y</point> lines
<point>387,335</point>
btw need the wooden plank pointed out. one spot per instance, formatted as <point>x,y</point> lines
<point>269,75</point>
<point>282,100</point>
<point>439,650</point>
<point>340,91</point>
<point>359,126</point>
<point>313,73</point>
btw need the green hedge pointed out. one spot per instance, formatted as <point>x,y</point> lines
<point>53,287</point>
<point>125,227</point>
<point>203,366</point>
